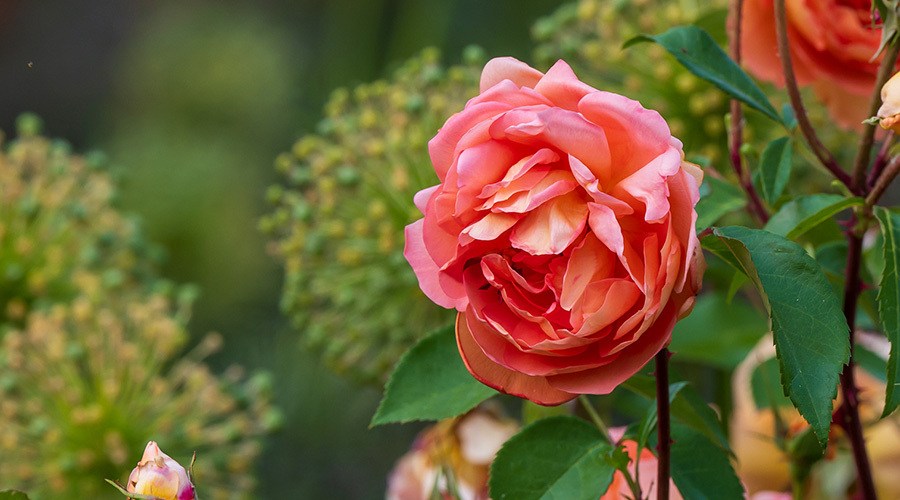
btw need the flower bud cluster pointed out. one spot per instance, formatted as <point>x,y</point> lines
<point>338,224</point>
<point>58,216</point>
<point>92,343</point>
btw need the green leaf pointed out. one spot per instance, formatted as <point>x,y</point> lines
<point>699,53</point>
<point>553,459</point>
<point>430,382</point>
<point>889,302</point>
<point>701,470</point>
<point>806,212</point>
<point>13,495</point>
<point>718,198</point>
<point>687,407</point>
<point>718,332</point>
<point>775,168</point>
<point>811,335</point>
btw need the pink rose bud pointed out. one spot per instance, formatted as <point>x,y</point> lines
<point>563,232</point>
<point>160,476</point>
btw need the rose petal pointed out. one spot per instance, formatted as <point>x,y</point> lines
<point>503,379</point>
<point>552,227</point>
<point>603,379</point>
<point>427,272</point>
<point>561,86</point>
<point>508,68</point>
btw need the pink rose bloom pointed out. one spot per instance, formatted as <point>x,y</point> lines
<point>160,476</point>
<point>563,231</point>
<point>831,42</point>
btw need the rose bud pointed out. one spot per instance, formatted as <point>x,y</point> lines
<point>160,476</point>
<point>563,233</point>
<point>889,112</point>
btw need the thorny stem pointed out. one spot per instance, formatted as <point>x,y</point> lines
<point>663,429</point>
<point>790,81</point>
<point>857,184</point>
<point>888,63</point>
<point>883,181</point>
<point>850,414</point>
<point>737,123</point>
<point>881,160</point>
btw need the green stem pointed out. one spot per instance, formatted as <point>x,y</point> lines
<point>595,417</point>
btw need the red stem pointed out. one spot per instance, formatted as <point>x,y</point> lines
<point>881,161</point>
<point>790,81</point>
<point>851,421</point>
<point>663,429</point>
<point>756,206</point>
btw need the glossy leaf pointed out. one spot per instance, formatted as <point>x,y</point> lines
<point>775,168</point>
<point>806,212</point>
<point>430,382</point>
<point>699,53</point>
<point>701,470</point>
<point>811,336</point>
<point>718,198</point>
<point>553,459</point>
<point>889,302</point>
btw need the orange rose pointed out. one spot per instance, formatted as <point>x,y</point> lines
<point>563,231</point>
<point>831,41</point>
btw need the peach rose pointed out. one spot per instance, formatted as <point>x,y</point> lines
<point>831,41</point>
<point>563,231</point>
<point>160,476</point>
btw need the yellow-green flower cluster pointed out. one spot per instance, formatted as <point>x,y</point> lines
<point>91,342</point>
<point>338,225</point>
<point>589,35</point>
<point>57,216</point>
<point>84,384</point>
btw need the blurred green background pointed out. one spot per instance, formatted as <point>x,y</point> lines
<point>193,101</point>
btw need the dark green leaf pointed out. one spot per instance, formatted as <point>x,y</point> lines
<point>806,212</point>
<point>718,198</point>
<point>832,256</point>
<point>687,407</point>
<point>811,336</point>
<point>554,458</point>
<point>718,332</point>
<point>889,302</point>
<point>699,53</point>
<point>13,495</point>
<point>701,470</point>
<point>775,168</point>
<point>430,383</point>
